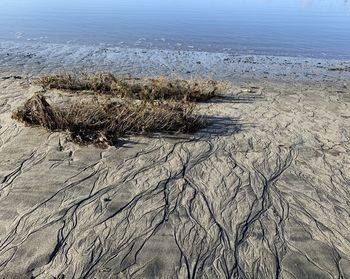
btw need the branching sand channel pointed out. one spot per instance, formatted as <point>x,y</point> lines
<point>261,192</point>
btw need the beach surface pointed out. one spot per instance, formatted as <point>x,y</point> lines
<point>262,192</point>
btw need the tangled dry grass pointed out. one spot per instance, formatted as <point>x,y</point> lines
<point>160,88</point>
<point>125,106</point>
<point>103,123</point>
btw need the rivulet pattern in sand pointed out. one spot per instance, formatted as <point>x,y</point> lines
<point>262,192</point>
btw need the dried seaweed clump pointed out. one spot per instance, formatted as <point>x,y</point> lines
<point>160,88</point>
<point>105,83</point>
<point>103,123</point>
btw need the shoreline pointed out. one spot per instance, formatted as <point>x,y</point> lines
<point>33,59</point>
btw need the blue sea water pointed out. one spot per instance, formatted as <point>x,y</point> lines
<point>309,28</point>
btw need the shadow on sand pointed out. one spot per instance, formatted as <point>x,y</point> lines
<point>245,98</point>
<point>218,125</point>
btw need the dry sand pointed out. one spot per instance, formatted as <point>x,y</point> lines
<point>263,192</point>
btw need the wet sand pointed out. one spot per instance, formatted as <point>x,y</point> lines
<point>262,192</point>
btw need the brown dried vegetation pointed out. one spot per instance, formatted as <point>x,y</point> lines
<point>102,123</point>
<point>124,107</point>
<point>160,88</point>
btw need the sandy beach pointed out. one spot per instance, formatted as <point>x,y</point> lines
<point>262,192</point>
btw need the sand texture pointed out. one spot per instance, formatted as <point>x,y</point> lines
<point>262,192</point>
